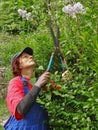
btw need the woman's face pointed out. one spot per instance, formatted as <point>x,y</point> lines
<point>26,61</point>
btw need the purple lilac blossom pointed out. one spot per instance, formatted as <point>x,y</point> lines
<point>20,12</point>
<point>78,7</point>
<point>28,16</point>
<point>73,9</point>
<point>24,14</point>
<point>69,10</point>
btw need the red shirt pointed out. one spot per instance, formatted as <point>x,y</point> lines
<point>15,94</point>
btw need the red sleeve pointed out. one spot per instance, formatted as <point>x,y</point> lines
<point>14,95</point>
<point>18,116</point>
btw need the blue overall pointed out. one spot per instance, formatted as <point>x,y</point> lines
<point>35,119</point>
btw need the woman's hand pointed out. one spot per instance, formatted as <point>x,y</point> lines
<point>43,79</point>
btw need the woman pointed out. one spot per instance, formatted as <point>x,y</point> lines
<point>26,114</point>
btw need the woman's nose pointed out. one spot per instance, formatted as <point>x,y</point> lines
<point>30,57</point>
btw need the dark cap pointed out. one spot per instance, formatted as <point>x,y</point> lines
<point>27,50</point>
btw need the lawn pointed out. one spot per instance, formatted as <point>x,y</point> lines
<point>4,113</point>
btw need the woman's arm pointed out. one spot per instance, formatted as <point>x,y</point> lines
<point>27,102</point>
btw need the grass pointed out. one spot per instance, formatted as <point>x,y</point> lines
<point>3,107</point>
<point>1,127</point>
<point>3,111</point>
<point>4,40</point>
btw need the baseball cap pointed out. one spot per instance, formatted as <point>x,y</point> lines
<point>27,50</point>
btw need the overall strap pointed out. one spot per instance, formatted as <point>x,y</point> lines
<point>25,83</point>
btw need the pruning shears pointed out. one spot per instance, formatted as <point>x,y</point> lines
<point>56,51</point>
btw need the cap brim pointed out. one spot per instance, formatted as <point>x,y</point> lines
<point>27,50</point>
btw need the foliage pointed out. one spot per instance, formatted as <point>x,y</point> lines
<point>71,104</point>
<point>3,106</point>
<point>4,113</point>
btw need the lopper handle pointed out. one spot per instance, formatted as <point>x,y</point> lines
<point>63,64</point>
<point>50,62</point>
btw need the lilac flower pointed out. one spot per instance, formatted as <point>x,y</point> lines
<point>22,13</point>
<point>78,7</point>
<point>25,14</point>
<point>69,10</point>
<point>28,16</point>
<point>73,9</point>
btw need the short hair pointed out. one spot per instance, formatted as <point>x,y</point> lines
<point>16,70</point>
